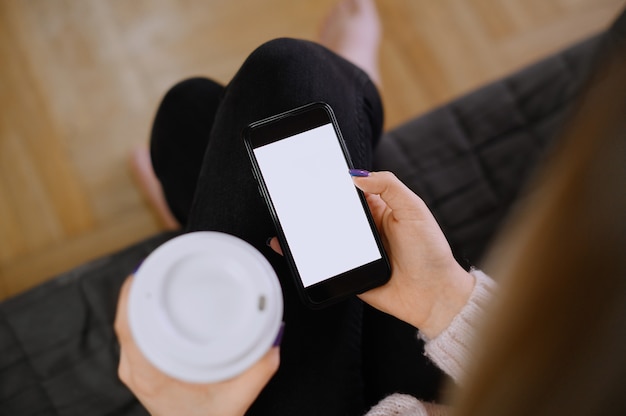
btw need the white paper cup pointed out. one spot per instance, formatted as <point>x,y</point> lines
<point>205,306</point>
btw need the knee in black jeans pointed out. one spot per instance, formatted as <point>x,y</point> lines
<point>288,73</point>
<point>179,137</point>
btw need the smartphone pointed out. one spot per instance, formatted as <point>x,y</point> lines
<point>323,223</point>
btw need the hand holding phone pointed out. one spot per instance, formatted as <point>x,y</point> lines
<point>323,222</point>
<point>428,288</point>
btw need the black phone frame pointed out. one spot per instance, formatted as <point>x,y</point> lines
<point>336,288</point>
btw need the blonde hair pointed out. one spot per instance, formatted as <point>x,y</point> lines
<point>555,342</point>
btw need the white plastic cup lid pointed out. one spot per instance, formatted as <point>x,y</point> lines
<point>205,306</point>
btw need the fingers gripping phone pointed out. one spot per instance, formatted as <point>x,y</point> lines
<point>323,223</point>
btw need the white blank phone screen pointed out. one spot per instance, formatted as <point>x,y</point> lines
<point>317,204</point>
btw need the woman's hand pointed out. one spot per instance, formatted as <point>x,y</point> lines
<point>428,288</point>
<point>162,395</point>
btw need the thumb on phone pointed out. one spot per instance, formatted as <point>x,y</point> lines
<point>404,204</point>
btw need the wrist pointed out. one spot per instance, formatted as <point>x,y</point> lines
<point>448,301</point>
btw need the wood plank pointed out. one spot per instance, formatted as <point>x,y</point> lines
<point>24,273</point>
<point>532,45</point>
<point>27,117</point>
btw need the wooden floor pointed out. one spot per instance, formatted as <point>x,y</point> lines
<point>80,81</point>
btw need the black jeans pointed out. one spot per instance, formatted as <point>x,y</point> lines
<point>198,155</point>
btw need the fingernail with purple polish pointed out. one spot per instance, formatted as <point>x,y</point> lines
<point>137,267</point>
<point>279,336</point>
<point>361,173</point>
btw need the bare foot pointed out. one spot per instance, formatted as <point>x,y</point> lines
<point>141,166</point>
<point>352,30</point>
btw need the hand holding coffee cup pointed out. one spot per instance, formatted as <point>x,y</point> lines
<point>197,325</point>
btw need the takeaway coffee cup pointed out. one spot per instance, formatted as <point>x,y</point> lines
<point>205,306</point>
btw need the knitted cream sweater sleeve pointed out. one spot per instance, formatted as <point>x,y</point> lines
<point>405,405</point>
<point>450,351</point>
